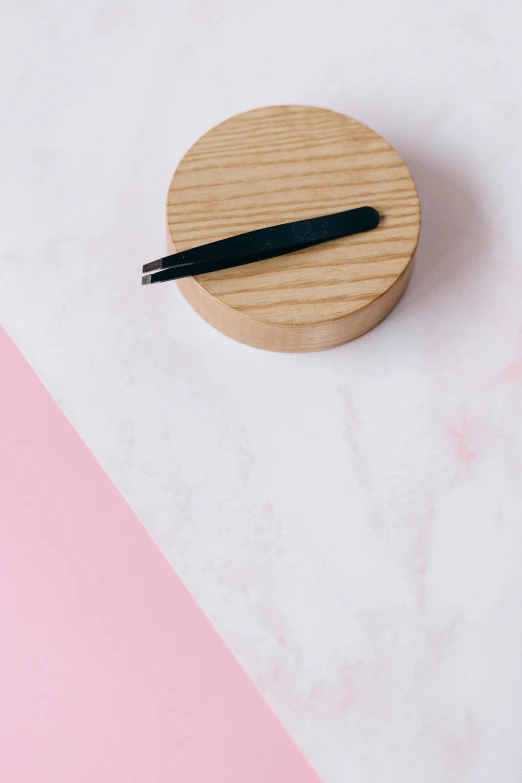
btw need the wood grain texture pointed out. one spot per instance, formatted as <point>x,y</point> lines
<point>285,163</point>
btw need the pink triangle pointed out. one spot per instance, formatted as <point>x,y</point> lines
<point>109,671</point>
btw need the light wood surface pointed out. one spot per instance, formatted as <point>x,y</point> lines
<point>285,163</point>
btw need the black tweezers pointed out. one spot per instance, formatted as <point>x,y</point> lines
<point>260,244</point>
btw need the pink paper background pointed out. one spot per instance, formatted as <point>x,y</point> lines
<point>108,669</point>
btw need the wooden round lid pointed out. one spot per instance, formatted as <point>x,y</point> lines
<point>284,163</point>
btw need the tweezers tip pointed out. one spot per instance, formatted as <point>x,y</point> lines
<point>146,280</point>
<point>152,266</point>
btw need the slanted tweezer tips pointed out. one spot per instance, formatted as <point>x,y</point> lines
<point>153,265</point>
<point>146,280</point>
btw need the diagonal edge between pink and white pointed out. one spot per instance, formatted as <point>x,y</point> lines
<point>109,671</point>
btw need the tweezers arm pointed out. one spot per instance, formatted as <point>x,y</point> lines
<point>260,244</point>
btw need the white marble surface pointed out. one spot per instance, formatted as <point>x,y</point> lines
<point>351,521</point>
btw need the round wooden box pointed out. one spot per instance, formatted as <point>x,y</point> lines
<point>285,163</point>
